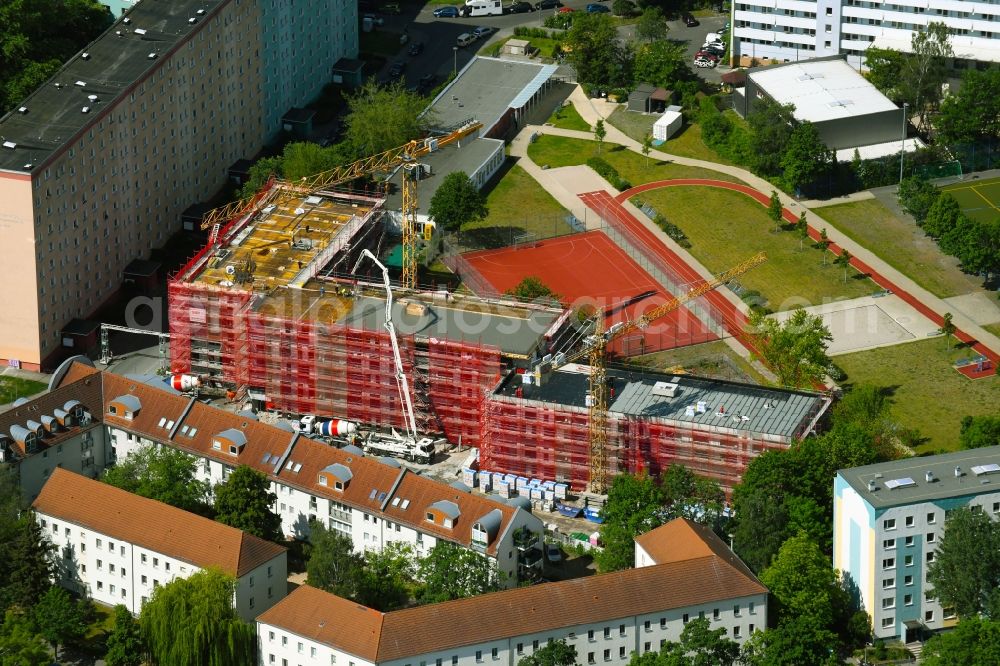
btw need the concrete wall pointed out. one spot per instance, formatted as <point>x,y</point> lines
<point>20,326</point>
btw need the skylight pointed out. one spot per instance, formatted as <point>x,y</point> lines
<point>990,468</point>
<point>905,482</point>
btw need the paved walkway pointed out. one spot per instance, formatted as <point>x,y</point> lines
<point>864,259</point>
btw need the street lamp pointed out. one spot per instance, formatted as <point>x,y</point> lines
<point>455,50</point>
<point>902,145</point>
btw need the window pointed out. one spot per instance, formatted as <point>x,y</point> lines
<point>908,599</point>
<point>908,560</point>
<point>909,541</point>
<point>645,625</point>
<point>534,645</point>
<point>495,653</point>
<point>736,610</point>
<point>715,613</point>
<point>889,524</point>
<point>438,661</point>
<point>100,585</point>
<point>646,646</point>
<point>607,632</point>
<point>930,537</point>
<point>479,656</point>
<point>931,518</point>
<point>111,568</point>
<point>888,583</point>
<point>156,562</point>
<point>270,637</point>
<point>607,654</point>
<point>930,557</point>
<point>144,579</point>
<point>908,580</point>
<point>621,629</point>
<point>98,542</point>
<point>909,521</point>
<point>888,602</point>
<point>621,652</point>
<point>752,609</point>
<point>663,623</point>
<point>454,660</point>
<point>590,635</point>
<point>520,650</point>
<point>685,618</point>
<point>100,565</point>
<point>928,616</point>
<point>888,621</point>
<point>142,557</point>
<point>889,544</point>
<point>736,631</point>
<point>590,658</point>
<point>889,563</point>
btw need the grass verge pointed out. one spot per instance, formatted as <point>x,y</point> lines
<point>993,328</point>
<point>559,151</point>
<point>927,393</point>
<point>726,227</point>
<point>901,244</point>
<point>12,388</point>
<point>567,117</point>
<point>686,143</point>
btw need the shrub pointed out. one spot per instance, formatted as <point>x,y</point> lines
<point>672,230</point>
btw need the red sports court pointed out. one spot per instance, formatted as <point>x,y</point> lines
<point>589,269</point>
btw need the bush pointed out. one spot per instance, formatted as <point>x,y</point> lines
<point>560,21</point>
<point>609,173</point>
<point>672,230</point>
<point>522,31</point>
<point>623,8</point>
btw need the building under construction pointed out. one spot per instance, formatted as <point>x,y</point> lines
<point>712,427</point>
<point>273,307</point>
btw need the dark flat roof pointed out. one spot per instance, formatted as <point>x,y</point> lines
<point>468,155</point>
<point>114,63</point>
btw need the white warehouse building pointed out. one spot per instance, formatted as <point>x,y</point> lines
<point>117,547</point>
<point>607,618</point>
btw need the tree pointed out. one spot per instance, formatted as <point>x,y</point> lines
<point>844,261</point>
<point>600,133</point>
<point>531,288</point>
<point>647,146</point>
<point>652,25</point>
<point>926,68</point>
<point>942,216</point>
<point>384,583</point>
<point>660,63</point>
<point>38,37</point>
<point>974,640</point>
<point>453,572</point>
<point>19,644</point>
<point>381,118</point>
<point>823,243</point>
<point>775,209</point>
<point>623,8</point>
<point>457,202</point>
<point>244,501</point>
<point>948,328</point>
<point>802,229</point>
<point>554,653</point>
<point>965,572</point>
<point>916,196</point>
<point>192,621</point>
<point>975,243</point>
<point>794,350</point>
<point>333,565</point>
<point>125,646</point>
<point>699,645</point>
<point>60,619</point>
<point>973,111</point>
<point>800,641</point>
<point>806,159</point>
<point>163,474</point>
<point>979,431</point>
<point>771,126</point>
<point>29,567</point>
<point>596,53</point>
<point>884,67</point>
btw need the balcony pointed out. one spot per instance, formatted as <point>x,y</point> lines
<point>529,560</point>
<point>525,539</point>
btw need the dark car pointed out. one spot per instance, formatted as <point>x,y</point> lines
<point>520,8</point>
<point>548,4</point>
<point>690,21</point>
<point>714,49</point>
<point>446,12</point>
<point>416,48</point>
<point>594,8</point>
<point>708,55</point>
<point>397,69</point>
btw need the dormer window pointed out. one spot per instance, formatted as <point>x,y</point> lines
<point>430,516</point>
<point>339,486</point>
<point>339,474</point>
<point>112,409</point>
<point>217,445</point>
<point>322,480</point>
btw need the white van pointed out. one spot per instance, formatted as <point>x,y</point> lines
<point>482,8</point>
<point>713,37</point>
<point>465,39</point>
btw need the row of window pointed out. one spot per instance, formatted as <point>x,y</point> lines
<point>890,544</point>
<point>890,562</point>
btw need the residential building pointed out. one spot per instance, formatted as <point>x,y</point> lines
<point>888,520</point>
<point>848,112</point>
<point>789,30</point>
<point>117,547</point>
<point>98,164</point>
<point>374,501</point>
<point>607,618</point>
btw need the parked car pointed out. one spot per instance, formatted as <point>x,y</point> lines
<point>690,21</point>
<point>397,69</point>
<point>548,4</point>
<point>483,31</point>
<point>704,62</point>
<point>520,8</point>
<point>718,45</point>
<point>566,10</point>
<point>714,49</point>
<point>553,553</point>
<point>464,39</point>
<point>416,48</point>
<point>446,12</point>
<point>706,55</point>
<point>594,8</point>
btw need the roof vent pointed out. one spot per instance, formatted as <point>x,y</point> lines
<point>29,165</point>
<point>192,20</point>
<point>958,471</point>
<point>9,144</point>
<point>82,84</point>
<point>126,20</point>
<point>85,109</point>
<point>139,31</point>
<point>152,56</point>
<point>58,85</point>
<point>22,109</point>
<point>929,476</point>
<point>200,12</point>
<point>92,98</point>
<point>85,55</point>
<point>871,486</point>
<point>665,389</point>
<point>991,468</point>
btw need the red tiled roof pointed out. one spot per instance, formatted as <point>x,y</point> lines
<point>684,539</point>
<point>86,390</point>
<point>76,372</point>
<point>153,525</point>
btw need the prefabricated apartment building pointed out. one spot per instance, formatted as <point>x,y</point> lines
<point>281,309</point>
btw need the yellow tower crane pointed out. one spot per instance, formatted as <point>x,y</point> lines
<point>595,348</point>
<point>385,163</point>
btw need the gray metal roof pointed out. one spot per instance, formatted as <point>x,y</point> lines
<point>945,482</point>
<point>449,509</point>
<point>467,155</point>
<point>340,472</point>
<point>520,502</point>
<point>154,380</point>
<point>356,450</point>
<point>485,89</point>
<point>115,62</point>
<point>70,404</point>
<point>458,485</point>
<point>724,405</point>
<point>19,432</point>
<point>233,435</point>
<point>130,401</point>
<point>490,523</point>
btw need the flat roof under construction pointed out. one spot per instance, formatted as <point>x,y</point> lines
<point>695,400</point>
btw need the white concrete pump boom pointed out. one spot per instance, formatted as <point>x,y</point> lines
<point>401,382</point>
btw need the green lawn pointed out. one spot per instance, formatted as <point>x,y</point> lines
<point>726,227</point>
<point>12,388</point>
<point>993,328</point>
<point>710,359</point>
<point>979,199</point>
<point>567,117</point>
<point>686,143</point>
<point>927,393</point>
<point>517,204</point>
<point>901,244</point>
<point>559,151</point>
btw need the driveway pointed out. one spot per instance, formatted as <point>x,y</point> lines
<point>693,38</point>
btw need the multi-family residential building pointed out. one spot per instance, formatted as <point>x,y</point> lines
<point>118,547</point>
<point>607,618</point>
<point>98,163</point>
<point>374,501</point>
<point>791,30</point>
<point>888,520</point>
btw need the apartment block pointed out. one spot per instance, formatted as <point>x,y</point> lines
<point>98,163</point>
<point>374,501</point>
<point>607,618</point>
<point>793,30</point>
<point>117,547</point>
<point>888,521</point>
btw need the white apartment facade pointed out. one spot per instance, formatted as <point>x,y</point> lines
<point>888,521</point>
<point>118,547</point>
<point>792,30</point>
<point>607,618</point>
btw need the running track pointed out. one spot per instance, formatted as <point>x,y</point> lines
<point>602,202</point>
